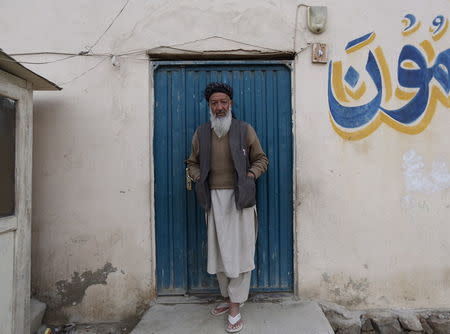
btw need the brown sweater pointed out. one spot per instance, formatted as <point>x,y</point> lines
<point>222,173</point>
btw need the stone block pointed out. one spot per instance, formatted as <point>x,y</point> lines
<point>410,322</point>
<point>440,323</point>
<point>366,324</point>
<point>355,329</point>
<point>386,325</point>
<point>426,327</point>
<point>340,318</point>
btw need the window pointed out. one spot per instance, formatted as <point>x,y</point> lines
<point>7,155</point>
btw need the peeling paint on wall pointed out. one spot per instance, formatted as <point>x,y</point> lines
<point>72,292</point>
<point>345,290</point>
<point>416,177</point>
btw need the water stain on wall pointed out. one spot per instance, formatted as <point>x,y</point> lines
<point>72,292</point>
<point>347,291</point>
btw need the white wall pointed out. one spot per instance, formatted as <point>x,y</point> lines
<point>372,222</point>
<point>364,238</point>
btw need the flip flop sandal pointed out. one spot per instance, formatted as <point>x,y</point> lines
<point>220,309</point>
<point>235,324</point>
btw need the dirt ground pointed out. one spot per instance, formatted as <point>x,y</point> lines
<point>105,328</point>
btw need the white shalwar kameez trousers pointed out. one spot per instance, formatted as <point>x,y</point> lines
<point>231,244</point>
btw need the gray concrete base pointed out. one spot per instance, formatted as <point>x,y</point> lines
<point>286,316</point>
<point>37,310</point>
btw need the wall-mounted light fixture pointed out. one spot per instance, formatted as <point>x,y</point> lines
<point>317,19</point>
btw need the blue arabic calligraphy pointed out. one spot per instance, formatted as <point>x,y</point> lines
<point>418,78</point>
<point>426,82</point>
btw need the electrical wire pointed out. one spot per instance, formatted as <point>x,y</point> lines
<point>37,63</point>
<point>110,25</point>
<point>44,53</point>
<point>295,27</point>
<point>84,73</point>
<point>224,38</point>
<point>71,55</point>
<point>128,54</point>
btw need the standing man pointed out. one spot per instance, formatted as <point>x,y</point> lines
<point>226,160</point>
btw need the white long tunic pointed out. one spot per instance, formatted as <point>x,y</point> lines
<point>231,235</point>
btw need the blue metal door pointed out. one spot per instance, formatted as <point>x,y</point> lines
<point>262,97</point>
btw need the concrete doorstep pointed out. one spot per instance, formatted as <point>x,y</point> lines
<point>285,316</point>
<point>37,310</point>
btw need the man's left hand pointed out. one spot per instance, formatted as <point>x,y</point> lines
<point>250,174</point>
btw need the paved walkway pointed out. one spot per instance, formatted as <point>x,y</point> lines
<point>188,315</point>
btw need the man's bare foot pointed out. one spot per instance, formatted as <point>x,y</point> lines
<point>234,323</point>
<point>234,309</point>
<point>221,308</point>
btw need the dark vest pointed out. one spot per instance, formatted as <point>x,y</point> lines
<point>245,188</point>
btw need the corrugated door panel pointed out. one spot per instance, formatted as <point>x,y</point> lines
<point>285,212</point>
<point>262,97</point>
<point>170,201</point>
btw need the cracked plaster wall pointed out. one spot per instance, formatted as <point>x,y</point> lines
<point>359,241</point>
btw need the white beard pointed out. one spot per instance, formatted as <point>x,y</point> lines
<point>220,125</point>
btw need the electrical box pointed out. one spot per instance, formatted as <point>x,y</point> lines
<point>319,53</point>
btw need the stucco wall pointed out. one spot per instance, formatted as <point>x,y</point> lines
<point>371,223</point>
<point>372,214</point>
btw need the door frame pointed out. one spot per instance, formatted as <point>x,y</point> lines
<point>153,65</point>
<point>20,223</point>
